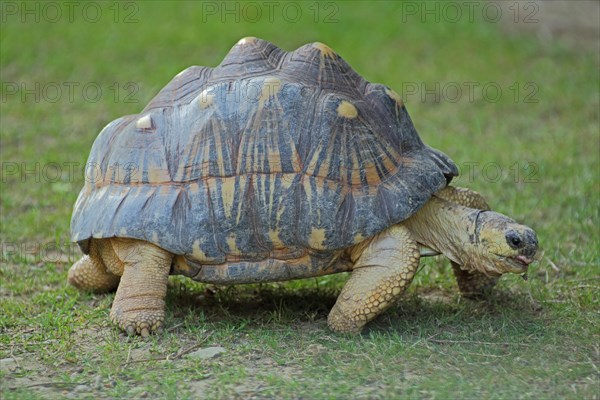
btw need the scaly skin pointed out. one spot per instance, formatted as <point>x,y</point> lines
<point>383,269</point>
<point>463,196</point>
<point>471,284</point>
<point>139,305</point>
<point>91,274</point>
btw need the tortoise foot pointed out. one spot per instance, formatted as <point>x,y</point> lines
<point>340,323</point>
<point>133,321</point>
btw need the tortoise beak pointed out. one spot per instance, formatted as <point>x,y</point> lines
<point>524,260</point>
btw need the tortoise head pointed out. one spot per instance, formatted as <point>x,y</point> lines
<point>500,245</point>
<point>477,240</point>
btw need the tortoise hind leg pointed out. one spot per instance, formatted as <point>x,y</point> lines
<point>139,305</point>
<point>383,269</point>
<point>91,273</point>
<point>471,284</point>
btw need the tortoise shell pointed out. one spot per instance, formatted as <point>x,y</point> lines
<point>270,151</point>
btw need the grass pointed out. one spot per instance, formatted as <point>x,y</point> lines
<point>535,161</point>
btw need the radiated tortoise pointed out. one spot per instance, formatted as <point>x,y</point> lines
<point>274,166</point>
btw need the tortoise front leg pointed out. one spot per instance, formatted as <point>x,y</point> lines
<point>463,196</point>
<point>139,305</point>
<point>383,269</point>
<point>471,284</point>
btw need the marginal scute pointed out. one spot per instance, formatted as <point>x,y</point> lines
<point>197,253</point>
<point>275,239</point>
<point>233,249</point>
<point>317,238</point>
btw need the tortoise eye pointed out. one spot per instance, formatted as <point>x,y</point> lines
<point>513,239</point>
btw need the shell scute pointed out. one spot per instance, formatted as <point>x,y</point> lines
<point>316,63</point>
<point>250,56</point>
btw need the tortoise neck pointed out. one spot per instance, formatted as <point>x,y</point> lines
<point>446,227</point>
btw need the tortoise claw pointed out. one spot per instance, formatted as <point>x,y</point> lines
<point>142,324</point>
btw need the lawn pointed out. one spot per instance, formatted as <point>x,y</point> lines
<point>520,117</point>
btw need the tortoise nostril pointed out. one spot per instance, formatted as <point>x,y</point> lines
<point>531,237</point>
<point>514,240</point>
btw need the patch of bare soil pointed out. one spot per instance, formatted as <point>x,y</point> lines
<point>24,370</point>
<point>574,22</point>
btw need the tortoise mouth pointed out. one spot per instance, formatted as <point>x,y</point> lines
<point>516,264</point>
<point>522,260</point>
